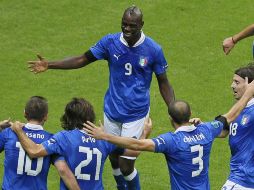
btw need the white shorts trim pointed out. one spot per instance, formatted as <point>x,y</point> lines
<point>132,129</point>
<point>229,185</point>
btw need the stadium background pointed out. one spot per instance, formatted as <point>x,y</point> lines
<point>190,32</point>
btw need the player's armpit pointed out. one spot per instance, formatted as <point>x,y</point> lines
<point>223,134</point>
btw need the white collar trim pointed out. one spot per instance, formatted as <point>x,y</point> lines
<point>140,41</point>
<point>33,126</point>
<point>250,103</point>
<point>186,128</point>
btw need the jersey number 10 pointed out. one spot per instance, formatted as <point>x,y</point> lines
<point>24,160</point>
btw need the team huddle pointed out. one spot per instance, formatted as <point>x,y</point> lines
<point>80,150</point>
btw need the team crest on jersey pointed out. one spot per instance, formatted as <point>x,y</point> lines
<point>143,61</point>
<point>215,124</point>
<point>244,120</point>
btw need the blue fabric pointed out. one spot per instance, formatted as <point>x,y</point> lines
<point>15,175</point>
<point>187,155</point>
<point>128,96</point>
<point>242,148</point>
<point>84,155</point>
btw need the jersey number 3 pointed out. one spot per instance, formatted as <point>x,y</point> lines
<point>197,160</point>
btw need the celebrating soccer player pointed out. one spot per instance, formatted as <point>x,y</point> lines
<point>132,59</point>
<point>241,135</point>
<point>187,150</point>
<point>22,172</point>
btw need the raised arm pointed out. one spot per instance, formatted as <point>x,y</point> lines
<point>66,174</point>
<point>76,62</point>
<point>33,150</point>
<point>230,42</point>
<point>166,89</point>
<point>124,142</point>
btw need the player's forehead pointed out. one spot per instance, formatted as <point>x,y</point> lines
<point>131,18</point>
<point>238,79</point>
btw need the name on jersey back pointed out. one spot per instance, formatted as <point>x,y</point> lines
<point>194,138</point>
<point>35,135</point>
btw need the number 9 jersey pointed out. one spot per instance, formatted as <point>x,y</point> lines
<point>128,96</point>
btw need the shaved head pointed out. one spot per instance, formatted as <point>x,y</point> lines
<point>179,111</point>
<point>134,11</point>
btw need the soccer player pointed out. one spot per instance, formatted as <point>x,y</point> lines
<point>230,42</point>
<point>187,150</point>
<point>85,155</point>
<point>241,135</point>
<point>132,59</point>
<point>21,172</point>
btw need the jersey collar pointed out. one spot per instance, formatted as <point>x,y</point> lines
<point>250,103</point>
<point>33,126</point>
<point>186,128</point>
<point>140,41</point>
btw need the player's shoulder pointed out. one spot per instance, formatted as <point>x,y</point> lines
<point>111,36</point>
<point>152,43</point>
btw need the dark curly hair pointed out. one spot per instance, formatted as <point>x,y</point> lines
<point>77,112</point>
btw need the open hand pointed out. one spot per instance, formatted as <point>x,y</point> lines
<point>93,131</point>
<point>38,66</point>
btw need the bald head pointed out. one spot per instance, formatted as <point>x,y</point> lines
<point>179,111</point>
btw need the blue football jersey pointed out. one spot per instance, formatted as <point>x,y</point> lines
<point>187,153</point>
<point>84,155</point>
<point>20,172</point>
<point>128,96</point>
<point>241,141</point>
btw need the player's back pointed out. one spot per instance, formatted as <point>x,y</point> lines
<point>21,172</point>
<point>187,153</point>
<point>85,156</point>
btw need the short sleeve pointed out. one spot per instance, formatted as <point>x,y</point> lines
<point>53,145</point>
<point>215,127</point>
<point>160,64</point>
<point>164,143</point>
<point>99,50</point>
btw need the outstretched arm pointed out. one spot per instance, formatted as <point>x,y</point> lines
<point>76,62</point>
<point>34,150</point>
<point>166,90</point>
<point>66,174</point>
<point>230,42</point>
<point>124,142</point>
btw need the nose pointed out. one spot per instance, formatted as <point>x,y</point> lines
<point>232,85</point>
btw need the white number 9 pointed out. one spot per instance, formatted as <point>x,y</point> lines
<point>128,68</point>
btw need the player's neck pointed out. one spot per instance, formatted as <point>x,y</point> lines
<point>36,122</point>
<point>181,125</point>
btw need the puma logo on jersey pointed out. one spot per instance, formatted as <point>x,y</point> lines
<point>116,56</point>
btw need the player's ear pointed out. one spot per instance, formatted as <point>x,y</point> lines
<point>25,114</point>
<point>45,118</point>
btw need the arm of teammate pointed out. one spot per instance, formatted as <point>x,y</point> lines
<point>5,124</point>
<point>124,142</point>
<point>230,42</point>
<point>66,174</point>
<point>166,90</point>
<point>232,114</point>
<point>76,62</point>
<point>33,150</point>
